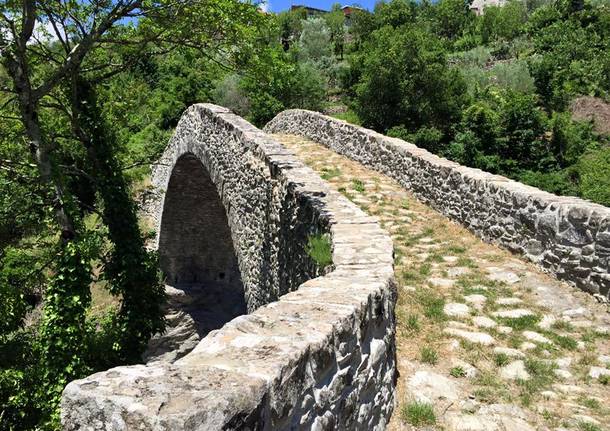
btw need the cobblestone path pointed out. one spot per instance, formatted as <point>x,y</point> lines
<point>486,341</point>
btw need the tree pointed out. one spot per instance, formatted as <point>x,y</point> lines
<point>405,80</point>
<point>55,54</point>
<point>335,21</point>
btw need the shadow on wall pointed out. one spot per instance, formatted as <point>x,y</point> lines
<point>196,250</point>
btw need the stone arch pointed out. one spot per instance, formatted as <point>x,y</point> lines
<point>195,244</point>
<point>196,256</point>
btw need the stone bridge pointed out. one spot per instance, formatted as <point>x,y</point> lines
<point>260,336</point>
<point>316,349</point>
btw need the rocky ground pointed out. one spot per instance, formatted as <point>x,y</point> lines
<point>486,341</point>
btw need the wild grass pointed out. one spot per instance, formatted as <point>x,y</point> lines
<point>412,323</point>
<point>330,173</point>
<point>457,372</point>
<point>358,185</point>
<point>501,359</point>
<point>319,248</point>
<point>417,414</point>
<point>521,323</point>
<point>428,355</point>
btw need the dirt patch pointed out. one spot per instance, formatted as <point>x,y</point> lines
<point>587,108</point>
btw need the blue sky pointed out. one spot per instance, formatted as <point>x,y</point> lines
<point>280,5</point>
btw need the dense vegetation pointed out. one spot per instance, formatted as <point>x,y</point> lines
<point>491,91</point>
<point>90,92</point>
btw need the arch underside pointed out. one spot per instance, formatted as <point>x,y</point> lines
<point>196,251</point>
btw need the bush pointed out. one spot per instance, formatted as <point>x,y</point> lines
<point>512,75</point>
<point>405,81</point>
<point>594,173</point>
<point>228,93</point>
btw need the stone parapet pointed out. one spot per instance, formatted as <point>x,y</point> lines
<point>567,236</point>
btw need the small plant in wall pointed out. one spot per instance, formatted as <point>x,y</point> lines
<point>319,248</point>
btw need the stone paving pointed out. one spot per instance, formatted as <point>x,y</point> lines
<point>485,340</point>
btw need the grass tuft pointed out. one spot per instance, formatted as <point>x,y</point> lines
<point>319,248</point>
<point>412,323</point>
<point>358,185</point>
<point>329,173</point>
<point>428,355</point>
<point>417,414</point>
<point>501,359</point>
<point>457,372</point>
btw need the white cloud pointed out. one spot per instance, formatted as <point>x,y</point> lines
<point>265,6</point>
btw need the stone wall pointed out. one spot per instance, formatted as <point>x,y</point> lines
<point>314,353</point>
<point>569,237</point>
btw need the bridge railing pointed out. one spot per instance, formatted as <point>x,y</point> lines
<point>567,236</point>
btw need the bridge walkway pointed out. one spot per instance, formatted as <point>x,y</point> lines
<point>486,339</point>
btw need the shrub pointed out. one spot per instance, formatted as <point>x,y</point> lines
<point>228,93</point>
<point>418,413</point>
<point>594,173</point>
<point>319,248</point>
<point>405,80</point>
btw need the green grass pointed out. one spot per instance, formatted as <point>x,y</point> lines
<point>425,269</point>
<point>358,185</point>
<point>604,379</point>
<point>405,204</point>
<point>349,116</point>
<point>466,261</point>
<point>541,376</point>
<point>562,325</point>
<point>456,249</point>
<point>412,323</point>
<point>591,403</point>
<point>521,323</point>
<point>329,173</point>
<point>418,414</point>
<point>428,355</point>
<point>319,248</point>
<point>501,359</point>
<point>587,426</point>
<point>433,305</point>
<point>563,341</point>
<point>457,372</point>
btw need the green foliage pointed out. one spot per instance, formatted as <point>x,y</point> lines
<point>418,413</point>
<point>503,22</point>
<point>451,18</point>
<point>594,174</point>
<point>405,81</point>
<point>457,372</point>
<point>63,326</point>
<point>131,271</point>
<point>319,249</point>
<point>428,355</point>
<point>571,52</point>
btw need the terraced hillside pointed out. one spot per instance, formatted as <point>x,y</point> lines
<point>486,341</point>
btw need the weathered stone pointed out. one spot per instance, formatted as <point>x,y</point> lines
<point>429,387</point>
<point>513,353</point>
<point>536,337</point>
<point>513,314</point>
<point>508,301</point>
<point>455,309</point>
<point>563,374</point>
<point>473,337</point>
<point>484,322</point>
<point>235,211</point>
<point>476,300</point>
<point>596,372</point>
<point>514,371</point>
<point>441,282</point>
<point>502,275</point>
